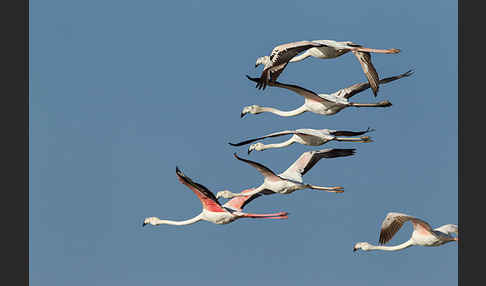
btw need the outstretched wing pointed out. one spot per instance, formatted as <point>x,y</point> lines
<point>285,52</point>
<point>279,59</point>
<point>348,92</point>
<point>349,133</point>
<point>308,159</point>
<point>309,94</point>
<point>364,59</point>
<point>266,172</point>
<point>238,203</point>
<point>275,134</point>
<point>394,221</point>
<point>207,198</point>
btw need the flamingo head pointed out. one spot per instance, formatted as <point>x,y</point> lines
<point>253,109</point>
<point>224,194</point>
<point>257,146</point>
<point>150,220</point>
<point>362,245</point>
<point>262,61</point>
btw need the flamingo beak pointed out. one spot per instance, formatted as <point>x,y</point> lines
<point>242,114</point>
<point>143,224</point>
<point>249,151</point>
<point>354,249</point>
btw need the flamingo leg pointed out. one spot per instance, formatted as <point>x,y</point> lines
<point>384,103</point>
<point>265,215</point>
<point>327,189</point>
<point>380,51</point>
<point>273,217</point>
<point>362,139</point>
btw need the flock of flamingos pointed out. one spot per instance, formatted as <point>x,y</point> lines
<point>291,179</point>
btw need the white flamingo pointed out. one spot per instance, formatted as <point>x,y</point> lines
<point>324,104</point>
<point>333,49</point>
<point>422,234</point>
<point>213,211</point>
<point>278,60</point>
<point>290,180</point>
<point>310,137</point>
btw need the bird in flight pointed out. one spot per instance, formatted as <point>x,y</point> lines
<point>324,104</point>
<point>290,180</point>
<point>333,49</point>
<point>422,234</point>
<point>310,137</point>
<point>213,211</point>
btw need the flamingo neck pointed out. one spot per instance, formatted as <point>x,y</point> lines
<point>294,112</point>
<point>401,246</point>
<point>182,222</point>
<point>300,57</point>
<point>278,145</point>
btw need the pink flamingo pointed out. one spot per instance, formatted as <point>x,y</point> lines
<point>213,211</point>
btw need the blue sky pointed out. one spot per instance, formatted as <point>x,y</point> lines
<point>123,91</point>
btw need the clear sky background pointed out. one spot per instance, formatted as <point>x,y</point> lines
<point>123,91</point>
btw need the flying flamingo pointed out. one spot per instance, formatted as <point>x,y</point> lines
<point>333,49</point>
<point>310,137</point>
<point>422,233</point>
<point>213,211</point>
<point>278,60</point>
<point>324,104</point>
<point>290,180</point>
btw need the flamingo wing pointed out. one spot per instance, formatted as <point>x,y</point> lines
<point>207,198</point>
<point>308,159</point>
<point>394,221</point>
<point>238,203</point>
<point>279,59</point>
<point>364,59</point>
<point>308,94</point>
<point>285,52</point>
<point>349,133</point>
<point>266,172</point>
<point>275,134</point>
<point>348,92</point>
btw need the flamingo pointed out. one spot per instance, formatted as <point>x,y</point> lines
<point>213,211</point>
<point>333,49</point>
<point>324,104</point>
<point>310,137</point>
<point>278,60</point>
<point>422,233</point>
<point>290,180</point>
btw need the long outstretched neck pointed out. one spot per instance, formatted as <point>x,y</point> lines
<point>182,222</point>
<point>300,57</point>
<point>404,245</point>
<point>279,145</point>
<point>294,112</point>
<point>255,191</point>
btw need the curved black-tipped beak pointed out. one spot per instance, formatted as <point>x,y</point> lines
<point>249,151</point>
<point>354,249</point>
<point>143,224</point>
<point>256,65</point>
<point>242,114</point>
